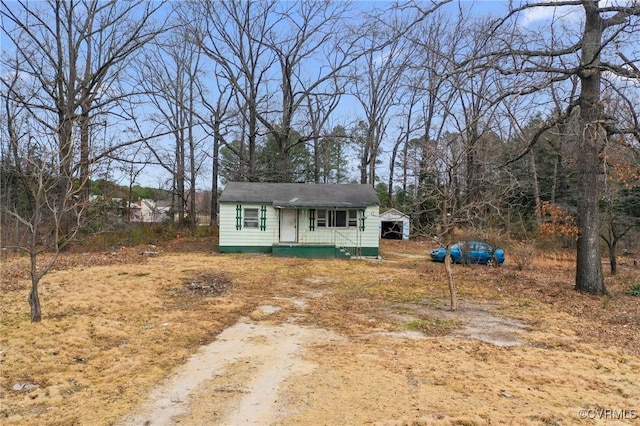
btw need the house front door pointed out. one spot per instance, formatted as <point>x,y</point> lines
<point>288,226</point>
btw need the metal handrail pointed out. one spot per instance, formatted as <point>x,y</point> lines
<point>347,244</point>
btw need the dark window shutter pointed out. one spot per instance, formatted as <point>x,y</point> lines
<point>263,218</point>
<point>312,219</point>
<point>238,217</point>
<point>362,218</point>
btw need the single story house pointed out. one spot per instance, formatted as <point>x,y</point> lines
<point>394,225</point>
<point>303,220</point>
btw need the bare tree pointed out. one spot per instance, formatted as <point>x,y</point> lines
<point>319,110</point>
<point>262,50</point>
<point>173,89</point>
<point>219,127</point>
<point>440,196</point>
<point>132,163</point>
<point>64,69</point>
<point>429,86</point>
<point>375,82</point>
<point>597,51</point>
<point>231,34</point>
<point>76,52</point>
<point>621,169</point>
<point>313,32</point>
<point>622,176</point>
<point>36,162</point>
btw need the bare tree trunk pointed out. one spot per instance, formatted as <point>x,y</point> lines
<point>373,156</point>
<point>316,159</point>
<point>85,135</point>
<point>192,149</point>
<point>555,180</point>
<point>34,298</point>
<point>613,261</point>
<point>536,187</point>
<point>589,277</point>
<point>179,175</point>
<point>364,161</point>
<point>453,297</point>
<point>214,174</point>
<point>392,169</point>
<point>85,132</point>
<point>34,303</point>
<point>192,182</point>
<point>405,175</point>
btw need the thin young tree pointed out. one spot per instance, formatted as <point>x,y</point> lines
<point>50,220</point>
<point>620,195</point>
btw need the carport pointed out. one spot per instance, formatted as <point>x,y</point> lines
<point>394,225</point>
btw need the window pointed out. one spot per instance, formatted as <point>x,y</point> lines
<point>250,218</point>
<point>322,218</point>
<point>480,247</point>
<point>353,218</point>
<point>337,218</point>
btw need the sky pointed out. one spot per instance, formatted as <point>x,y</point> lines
<point>347,112</point>
<point>153,176</point>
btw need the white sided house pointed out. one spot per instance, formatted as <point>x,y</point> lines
<point>304,220</point>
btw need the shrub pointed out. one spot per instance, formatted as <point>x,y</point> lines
<point>634,290</point>
<point>522,254</point>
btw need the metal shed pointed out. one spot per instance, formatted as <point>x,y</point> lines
<point>394,225</point>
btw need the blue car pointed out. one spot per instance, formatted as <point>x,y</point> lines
<point>471,252</point>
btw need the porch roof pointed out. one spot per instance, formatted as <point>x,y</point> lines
<point>300,195</point>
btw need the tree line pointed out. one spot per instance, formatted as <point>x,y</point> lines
<point>457,118</point>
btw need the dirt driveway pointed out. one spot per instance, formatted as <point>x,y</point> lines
<point>244,368</point>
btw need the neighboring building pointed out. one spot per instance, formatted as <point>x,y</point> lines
<point>394,225</point>
<point>203,207</point>
<point>294,219</point>
<point>149,211</point>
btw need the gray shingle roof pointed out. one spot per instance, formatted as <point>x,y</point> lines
<point>300,194</point>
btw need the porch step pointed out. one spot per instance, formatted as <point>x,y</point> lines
<point>343,254</point>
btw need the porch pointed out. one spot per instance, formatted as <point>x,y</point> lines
<point>331,244</point>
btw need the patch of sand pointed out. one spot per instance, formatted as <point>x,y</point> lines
<point>273,352</point>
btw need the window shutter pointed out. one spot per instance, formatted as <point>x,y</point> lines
<point>263,218</point>
<point>312,219</point>
<point>362,218</point>
<point>238,217</point>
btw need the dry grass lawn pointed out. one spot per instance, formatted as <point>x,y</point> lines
<point>523,349</point>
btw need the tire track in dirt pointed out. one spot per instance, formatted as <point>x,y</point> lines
<point>273,351</point>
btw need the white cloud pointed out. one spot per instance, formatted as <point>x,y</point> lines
<point>542,14</point>
<point>566,14</point>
